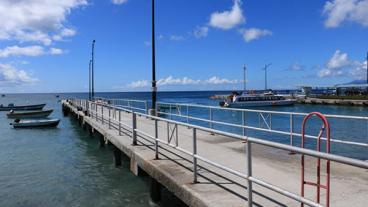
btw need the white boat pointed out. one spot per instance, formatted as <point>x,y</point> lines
<point>35,123</point>
<point>256,100</point>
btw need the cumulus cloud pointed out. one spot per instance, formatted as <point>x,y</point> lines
<point>11,75</point>
<point>254,33</point>
<point>201,32</point>
<point>340,64</point>
<point>340,11</point>
<point>228,19</point>
<point>176,38</point>
<point>296,67</point>
<point>56,51</point>
<point>171,81</point>
<point>119,1</point>
<point>32,51</point>
<point>35,20</point>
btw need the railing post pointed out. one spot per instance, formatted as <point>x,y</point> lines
<point>109,117</point>
<point>102,109</point>
<point>291,129</point>
<point>119,122</point>
<point>195,180</point>
<point>156,139</point>
<point>187,114</point>
<point>243,123</point>
<point>146,106</point>
<point>249,173</point>
<point>134,127</point>
<point>211,124</point>
<point>170,111</point>
<point>177,135</point>
<point>96,113</point>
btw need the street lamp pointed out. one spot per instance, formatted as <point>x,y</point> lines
<point>93,70</point>
<point>154,88</point>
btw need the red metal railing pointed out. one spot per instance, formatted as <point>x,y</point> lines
<point>325,128</point>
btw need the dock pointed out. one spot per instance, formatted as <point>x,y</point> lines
<point>206,167</point>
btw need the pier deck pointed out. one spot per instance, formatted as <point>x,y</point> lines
<point>216,187</point>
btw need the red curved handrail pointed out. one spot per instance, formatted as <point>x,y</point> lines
<point>324,128</point>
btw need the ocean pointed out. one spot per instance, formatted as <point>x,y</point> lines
<point>66,167</point>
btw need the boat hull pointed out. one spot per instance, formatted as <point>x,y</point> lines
<point>36,124</point>
<point>260,103</point>
<point>29,114</point>
<point>23,108</point>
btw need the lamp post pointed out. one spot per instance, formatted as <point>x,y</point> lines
<point>93,70</point>
<point>265,69</point>
<point>154,88</point>
<point>244,78</point>
<point>89,80</point>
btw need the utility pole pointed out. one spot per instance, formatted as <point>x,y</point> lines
<point>244,78</point>
<point>89,80</point>
<point>93,70</point>
<point>265,69</point>
<point>154,88</point>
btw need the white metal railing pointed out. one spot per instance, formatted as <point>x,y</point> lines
<point>131,104</point>
<point>96,112</point>
<point>265,119</point>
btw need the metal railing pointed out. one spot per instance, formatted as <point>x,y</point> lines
<point>265,120</point>
<point>131,104</point>
<point>96,112</point>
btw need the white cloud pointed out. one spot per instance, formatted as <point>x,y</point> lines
<point>138,84</point>
<point>201,32</point>
<point>339,65</point>
<point>35,20</point>
<point>56,51</point>
<point>11,75</point>
<point>296,67</point>
<point>340,11</point>
<point>254,33</point>
<point>171,81</point>
<point>176,38</point>
<point>119,1</point>
<point>32,51</point>
<point>228,19</point>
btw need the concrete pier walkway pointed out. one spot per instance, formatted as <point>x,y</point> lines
<point>215,187</point>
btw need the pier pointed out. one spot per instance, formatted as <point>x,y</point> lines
<point>208,167</point>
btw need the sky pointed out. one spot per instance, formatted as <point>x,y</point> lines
<point>45,46</point>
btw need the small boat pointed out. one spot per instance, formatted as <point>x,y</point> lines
<point>57,96</point>
<point>256,100</point>
<point>35,123</point>
<point>29,114</point>
<point>2,95</point>
<point>22,108</point>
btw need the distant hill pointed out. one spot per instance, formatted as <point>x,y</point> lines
<point>357,82</point>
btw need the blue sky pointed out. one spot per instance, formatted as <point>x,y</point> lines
<point>201,45</point>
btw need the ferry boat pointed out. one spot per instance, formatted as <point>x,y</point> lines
<point>256,100</point>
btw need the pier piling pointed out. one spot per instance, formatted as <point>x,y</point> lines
<point>117,157</point>
<point>155,190</point>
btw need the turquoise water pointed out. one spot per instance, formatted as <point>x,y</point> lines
<point>66,167</point>
<point>62,166</point>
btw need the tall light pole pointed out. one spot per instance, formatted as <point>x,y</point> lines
<point>154,88</point>
<point>265,69</point>
<point>93,70</point>
<point>244,78</point>
<point>89,80</point>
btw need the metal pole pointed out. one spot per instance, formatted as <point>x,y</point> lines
<point>249,173</point>
<point>109,117</point>
<point>367,69</point>
<point>211,124</point>
<point>156,139</point>
<point>89,80</point>
<point>244,79</point>
<point>243,122</point>
<point>195,180</point>
<point>93,69</point>
<point>134,127</point>
<point>154,88</point>
<point>119,122</point>
<point>291,129</point>
<point>102,109</point>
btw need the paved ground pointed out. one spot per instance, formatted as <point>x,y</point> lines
<point>174,169</point>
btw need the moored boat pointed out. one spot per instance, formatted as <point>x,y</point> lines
<point>35,123</point>
<point>29,114</point>
<point>256,100</point>
<point>22,108</point>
